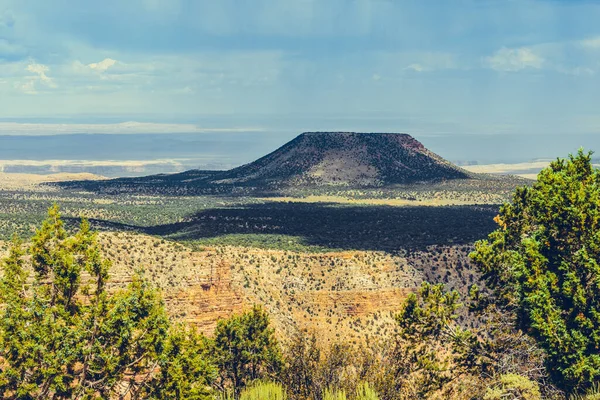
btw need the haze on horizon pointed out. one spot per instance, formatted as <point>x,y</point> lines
<point>486,81</point>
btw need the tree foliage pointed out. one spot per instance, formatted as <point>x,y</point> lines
<point>64,336</point>
<point>246,349</point>
<point>543,264</point>
<point>185,367</point>
<point>433,351</point>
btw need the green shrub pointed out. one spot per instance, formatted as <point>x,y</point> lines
<point>225,395</point>
<point>513,386</point>
<point>592,394</point>
<point>264,391</point>
<point>334,395</point>
<point>365,392</point>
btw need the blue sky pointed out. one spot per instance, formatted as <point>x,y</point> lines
<point>429,67</point>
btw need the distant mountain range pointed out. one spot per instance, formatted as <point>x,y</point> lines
<point>313,159</point>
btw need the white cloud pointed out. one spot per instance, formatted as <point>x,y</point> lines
<point>591,43</point>
<point>39,69</point>
<point>416,67</point>
<point>30,85</point>
<point>510,60</point>
<point>17,128</point>
<point>27,87</point>
<point>389,63</point>
<point>433,61</point>
<point>102,65</point>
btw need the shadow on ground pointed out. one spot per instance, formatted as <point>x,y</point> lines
<point>334,226</point>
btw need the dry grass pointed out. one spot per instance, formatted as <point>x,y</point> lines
<point>378,202</point>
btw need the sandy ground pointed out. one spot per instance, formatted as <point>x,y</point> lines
<point>10,181</point>
<point>526,170</point>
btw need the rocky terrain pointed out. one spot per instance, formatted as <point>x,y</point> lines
<point>338,294</point>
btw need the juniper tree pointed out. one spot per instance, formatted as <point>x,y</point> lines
<point>246,349</point>
<point>543,264</point>
<point>63,336</point>
<point>432,349</point>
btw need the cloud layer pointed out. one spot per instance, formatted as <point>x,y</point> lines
<point>25,128</point>
<point>514,59</point>
<point>470,64</point>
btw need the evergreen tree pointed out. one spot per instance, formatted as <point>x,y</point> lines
<point>543,264</point>
<point>246,349</point>
<point>63,336</point>
<point>432,349</point>
<point>185,367</point>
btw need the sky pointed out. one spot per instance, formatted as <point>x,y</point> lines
<point>426,67</point>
